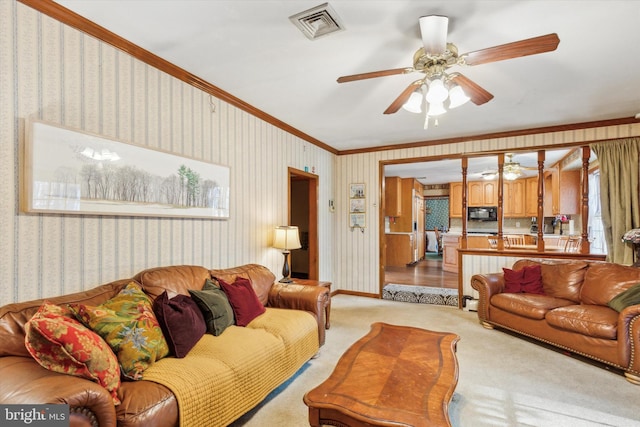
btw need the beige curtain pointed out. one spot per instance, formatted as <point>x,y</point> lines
<point>619,194</point>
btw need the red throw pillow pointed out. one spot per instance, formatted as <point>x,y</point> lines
<point>60,343</point>
<point>532,280</point>
<point>181,322</point>
<point>243,299</point>
<point>512,281</point>
<point>527,280</point>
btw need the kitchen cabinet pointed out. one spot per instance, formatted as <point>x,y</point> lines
<point>400,249</point>
<point>531,197</point>
<point>570,191</point>
<point>478,242</point>
<point>514,198</point>
<point>450,244</point>
<point>455,200</point>
<point>561,192</point>
<point>483,193</point>
<point>410,221</point>
<point>393,196</point>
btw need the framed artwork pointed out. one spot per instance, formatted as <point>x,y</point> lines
<point>356,191</point>
<point>357,220</point>
<point>356,205</point>
<point>73,172</point>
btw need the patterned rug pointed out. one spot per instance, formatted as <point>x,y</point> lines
<point>420,294</point>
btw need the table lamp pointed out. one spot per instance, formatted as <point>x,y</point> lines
<point>286,238</point>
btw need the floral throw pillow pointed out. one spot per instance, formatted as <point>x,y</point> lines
<point>127,323</point>
<point>59,343</point>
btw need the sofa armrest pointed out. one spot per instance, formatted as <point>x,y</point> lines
<point>487,285</point>
<point>300,297</point>
<point>629,337</point>
<point>26,382</point>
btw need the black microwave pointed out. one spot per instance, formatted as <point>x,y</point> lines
<point>484,213</point>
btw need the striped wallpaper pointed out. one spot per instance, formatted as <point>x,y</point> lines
<point>51,72</point>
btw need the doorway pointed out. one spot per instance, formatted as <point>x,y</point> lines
<point>303,212</point>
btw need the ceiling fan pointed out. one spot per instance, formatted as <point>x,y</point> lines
<point>510,169</point>
<point>434,59</point>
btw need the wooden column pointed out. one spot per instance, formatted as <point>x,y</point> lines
<point>500,200</point>
<point>541,158</point>
<point>463,240</point>
<point>585,246</point>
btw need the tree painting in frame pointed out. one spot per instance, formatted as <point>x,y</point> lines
<point>74,172</point>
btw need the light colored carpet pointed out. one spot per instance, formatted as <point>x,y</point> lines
<point>503,380</point>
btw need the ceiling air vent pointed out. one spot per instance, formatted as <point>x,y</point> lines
<point>317,22</point>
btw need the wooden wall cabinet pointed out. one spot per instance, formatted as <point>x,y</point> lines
<point>531,197</point>
<point>514,198</point>
<point>393,196</point>
<point>455,200</point>
<point>483,193</point>
<point>561,192</point>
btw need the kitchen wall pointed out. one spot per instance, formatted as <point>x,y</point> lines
<point>51,72</point>
<point>357,254</point>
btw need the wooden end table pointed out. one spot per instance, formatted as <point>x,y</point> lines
<point>393,376</point>
<point>327,308</point>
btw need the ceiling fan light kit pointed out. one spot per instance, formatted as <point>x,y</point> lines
<point>436,56</point>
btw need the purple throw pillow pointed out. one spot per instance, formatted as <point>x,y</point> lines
<point>181,322</point>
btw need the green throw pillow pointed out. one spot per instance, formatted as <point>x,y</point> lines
<point>127,323</point>
<point>215,307</point>
<point>625,299</point>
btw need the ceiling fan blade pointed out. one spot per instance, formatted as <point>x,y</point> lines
<point>434,30</point>
<point>517,49</point>
<point>373,74</point>
<point>404,96</point>
<point>477,94</point>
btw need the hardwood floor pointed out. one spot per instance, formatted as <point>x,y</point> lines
<point>427,272</point>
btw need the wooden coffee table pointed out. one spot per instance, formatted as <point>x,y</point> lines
<point>393,376</point>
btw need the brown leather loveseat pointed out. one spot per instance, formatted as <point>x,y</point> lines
<point>572,312</point>
<point>254,359</point>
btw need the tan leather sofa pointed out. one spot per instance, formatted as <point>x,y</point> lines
<point>573,314</point>
<point>146,403</point>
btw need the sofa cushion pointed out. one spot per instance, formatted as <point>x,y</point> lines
<point>532,306</point>
<point>127,323</point>
<point>590,320</point>
<point>527,280</point>
<point>215,307</point>
<point>604,281</point>
<point>625,299</point>
<point>563,280</point>
<point>181,322</point>
<point>60,343</point>
<point>243,300</point>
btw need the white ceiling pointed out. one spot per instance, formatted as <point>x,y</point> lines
<point>250,49</point>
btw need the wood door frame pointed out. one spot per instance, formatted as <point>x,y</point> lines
<point>312,187</point>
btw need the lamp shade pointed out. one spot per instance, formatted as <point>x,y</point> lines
<point>286,238</point>
<point>414,103</point>
<point>457,97</point>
